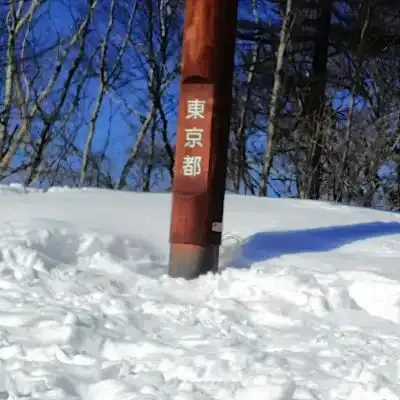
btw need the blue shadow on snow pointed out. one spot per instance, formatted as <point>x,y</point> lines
<point>264,245</point>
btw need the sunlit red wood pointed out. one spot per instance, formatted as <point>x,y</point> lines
<point>203,135</point>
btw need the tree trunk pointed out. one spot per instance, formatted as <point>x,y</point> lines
<point>273,110</point>
<point>364,19</point>
<point>315,107</point>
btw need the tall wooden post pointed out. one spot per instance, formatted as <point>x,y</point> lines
<point>203,136</point>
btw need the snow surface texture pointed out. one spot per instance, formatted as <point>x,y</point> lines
<point>306,307</point>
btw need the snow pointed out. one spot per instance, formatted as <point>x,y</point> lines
<point>306,305</point>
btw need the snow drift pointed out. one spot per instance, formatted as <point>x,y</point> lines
<point>306,305</point>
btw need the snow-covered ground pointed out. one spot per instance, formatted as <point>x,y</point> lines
<point>306,307</point>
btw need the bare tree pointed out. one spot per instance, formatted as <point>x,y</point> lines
<point>365,13</point>
<point>275,98</point>
<point>105,76</point>
<point>25,94</point>
<point>156,48</point>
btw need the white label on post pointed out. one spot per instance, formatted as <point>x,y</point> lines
<point>217,227</point>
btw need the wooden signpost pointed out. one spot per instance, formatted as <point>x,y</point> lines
<point>203,136</point>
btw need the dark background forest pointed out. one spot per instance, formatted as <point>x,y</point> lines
<point>89,92</point>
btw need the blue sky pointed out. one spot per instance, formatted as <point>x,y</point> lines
<point>122,138</point>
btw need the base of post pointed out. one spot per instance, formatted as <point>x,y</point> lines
<point>188,261</point>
